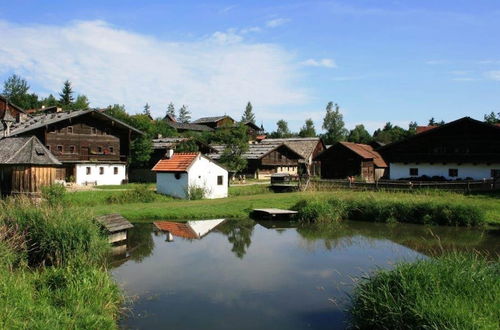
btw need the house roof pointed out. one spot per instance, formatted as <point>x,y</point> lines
<point>18,108</point>
<point>252,125</point>
<point>168,142</point>
<point>255,151</point>
<point>421,129</point>
<point>303,146</point>
<point>43,119</point>
<point>189,126</point>
<point>25,151</point>
<point>179,162</point>
<point>366,152</point>
<point>177,229</point>
<point>207,120</point>
<point>169,117</point>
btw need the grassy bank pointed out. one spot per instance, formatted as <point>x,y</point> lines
<point>52,269</point>
<point>455,291</point>
<point>244,198</point>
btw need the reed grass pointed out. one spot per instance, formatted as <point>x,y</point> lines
<point>454,291</point>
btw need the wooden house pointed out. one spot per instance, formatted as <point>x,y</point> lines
<point>462,149</point>
<point>307,148</point>
<point>215,122</point>
<point>93,147</point>
<point>13,110</point>
<point>263,160</point>
<point>185,127</point>
<point>345,159</point>
<point>25,165</point>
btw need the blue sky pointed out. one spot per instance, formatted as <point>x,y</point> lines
<point>380,61</point>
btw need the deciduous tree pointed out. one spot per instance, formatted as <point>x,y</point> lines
<point>333,124</point>
<point>359,135</point>
<point>308,129</point>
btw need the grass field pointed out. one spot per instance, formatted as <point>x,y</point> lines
<point>244,198</point>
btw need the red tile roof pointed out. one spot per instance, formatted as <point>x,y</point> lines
<point>421,129</point>
<point>179,162</point>
<point>366,151</point>
<point>177,229</point>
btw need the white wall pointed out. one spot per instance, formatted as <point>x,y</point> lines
<point>477,172</point>
<point>203,227</point>
<point>100,179</point>
<point>168,184</point>
<point>203,173</point>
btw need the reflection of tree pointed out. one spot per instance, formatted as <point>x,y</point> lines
<point>140,241</point>
<point>239,233</point>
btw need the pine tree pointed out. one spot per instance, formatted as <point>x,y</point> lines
<point>184,115</point>
<point>248,115</point>
<point>66,96</point>
<point>171,110</point>
<point>16,90</point>
<point>308,129</point>
<point>147,110</point>
<point>333,123</point>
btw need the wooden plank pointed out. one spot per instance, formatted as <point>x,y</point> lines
<point>114,222</point>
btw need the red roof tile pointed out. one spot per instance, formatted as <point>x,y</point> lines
<point>179,162</point>
<point>366,151</point>
<point>177,229</point>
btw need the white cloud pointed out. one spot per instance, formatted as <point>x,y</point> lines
<point>250,30</point>
<point>493,75</point>
<point>324,62</point>
<point>277,22</point>
<point>216,74</point>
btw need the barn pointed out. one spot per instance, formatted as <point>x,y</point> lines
<point>345,159</point>
<point>178,173</point>
<point>25,165</point>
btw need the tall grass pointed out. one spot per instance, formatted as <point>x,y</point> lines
<point>52,269</point>
<point>390,210</point>
<point>454,291</point>
<point>138,194</point>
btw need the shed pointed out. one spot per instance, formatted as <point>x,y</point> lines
<point>179,174</point>
<point>345,159</point>
<point>25,165</point>
<point>116,226</point>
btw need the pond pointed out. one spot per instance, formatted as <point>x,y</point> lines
<point>241,274</point>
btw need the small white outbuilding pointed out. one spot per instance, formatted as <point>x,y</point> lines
<point>179,173</point>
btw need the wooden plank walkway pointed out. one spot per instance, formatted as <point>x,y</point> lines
<point>272,213</point>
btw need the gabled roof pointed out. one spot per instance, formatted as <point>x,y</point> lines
<point>177,229</point>
<point>421,129</point>
<point>43,119</point>
<point>189,126</point>
<point>25,151</point>
<point>365,151</point>
<point>10,104</point>
<point>252,125</point>
<point>208,120</point>
<point>172,142</point>
<point>255,151</point>
<point>169,117</point>
<point>303,146</point>
<point>179,162</point>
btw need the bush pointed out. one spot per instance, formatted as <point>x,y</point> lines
<point>320,211</point>
<point>455,291</point>
<point>196,192</point>
<point>139,194</point>
<point>54,194</point>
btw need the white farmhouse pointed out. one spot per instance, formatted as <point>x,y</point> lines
<point>180,172</point>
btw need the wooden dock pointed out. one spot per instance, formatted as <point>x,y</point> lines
<point>116,226</point>
<point>271,214</point>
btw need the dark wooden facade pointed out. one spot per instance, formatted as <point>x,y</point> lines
<point>13,109</point>
<point>465,140</point>
<point>281,159</point>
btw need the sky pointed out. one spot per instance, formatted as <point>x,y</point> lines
<point>379,60</point>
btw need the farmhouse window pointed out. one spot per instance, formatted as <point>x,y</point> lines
<point>70,129</point>
<point>177,175</point>
<point>413,171</point>
<point>89,170</point>
<point>99,150</point>
<point>220,180</point>
<point>60,149</point>
<point>111,150</point>
<point>101,170</point>
<point>48,147</point>
<point>72,149</point>
<point>115,170</point>
<point>453,172</point>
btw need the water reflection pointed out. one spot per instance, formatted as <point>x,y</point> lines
<point>270,275</point>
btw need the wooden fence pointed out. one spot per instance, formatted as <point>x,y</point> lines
<point>462,186</point>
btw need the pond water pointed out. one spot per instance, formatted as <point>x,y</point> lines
<point>267,275</point>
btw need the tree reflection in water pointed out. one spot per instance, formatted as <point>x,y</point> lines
<point>239,234</point>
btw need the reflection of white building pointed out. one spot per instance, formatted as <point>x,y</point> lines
<point>180,172</point>
<point>190,230</point>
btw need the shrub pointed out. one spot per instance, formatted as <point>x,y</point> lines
<point>196,192</point>
<point>54,194</point>
<point>455,291</point>
<point>139,194</point>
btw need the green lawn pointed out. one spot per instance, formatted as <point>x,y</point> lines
<point>244,198</point>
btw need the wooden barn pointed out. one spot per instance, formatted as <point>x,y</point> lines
<point>25,165</point>
<point>263,160</point>
<point>215,122</point>
<point>462,149</point>
<point>345,159</point>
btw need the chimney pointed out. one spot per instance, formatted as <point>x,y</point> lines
<point>170,153</point>
<point>159,136</point>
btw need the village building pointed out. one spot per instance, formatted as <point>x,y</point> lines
<point>463,149</point>
<point>263,160</point>
<point>185,127</point>
<point>348,159</point>
<point>93,147</point>
<point>190,230</point>
<point>215,122</point>
<point>307,148</point>
<point>16,112</point>
<point>179,173</point>
<point>25,165</point>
